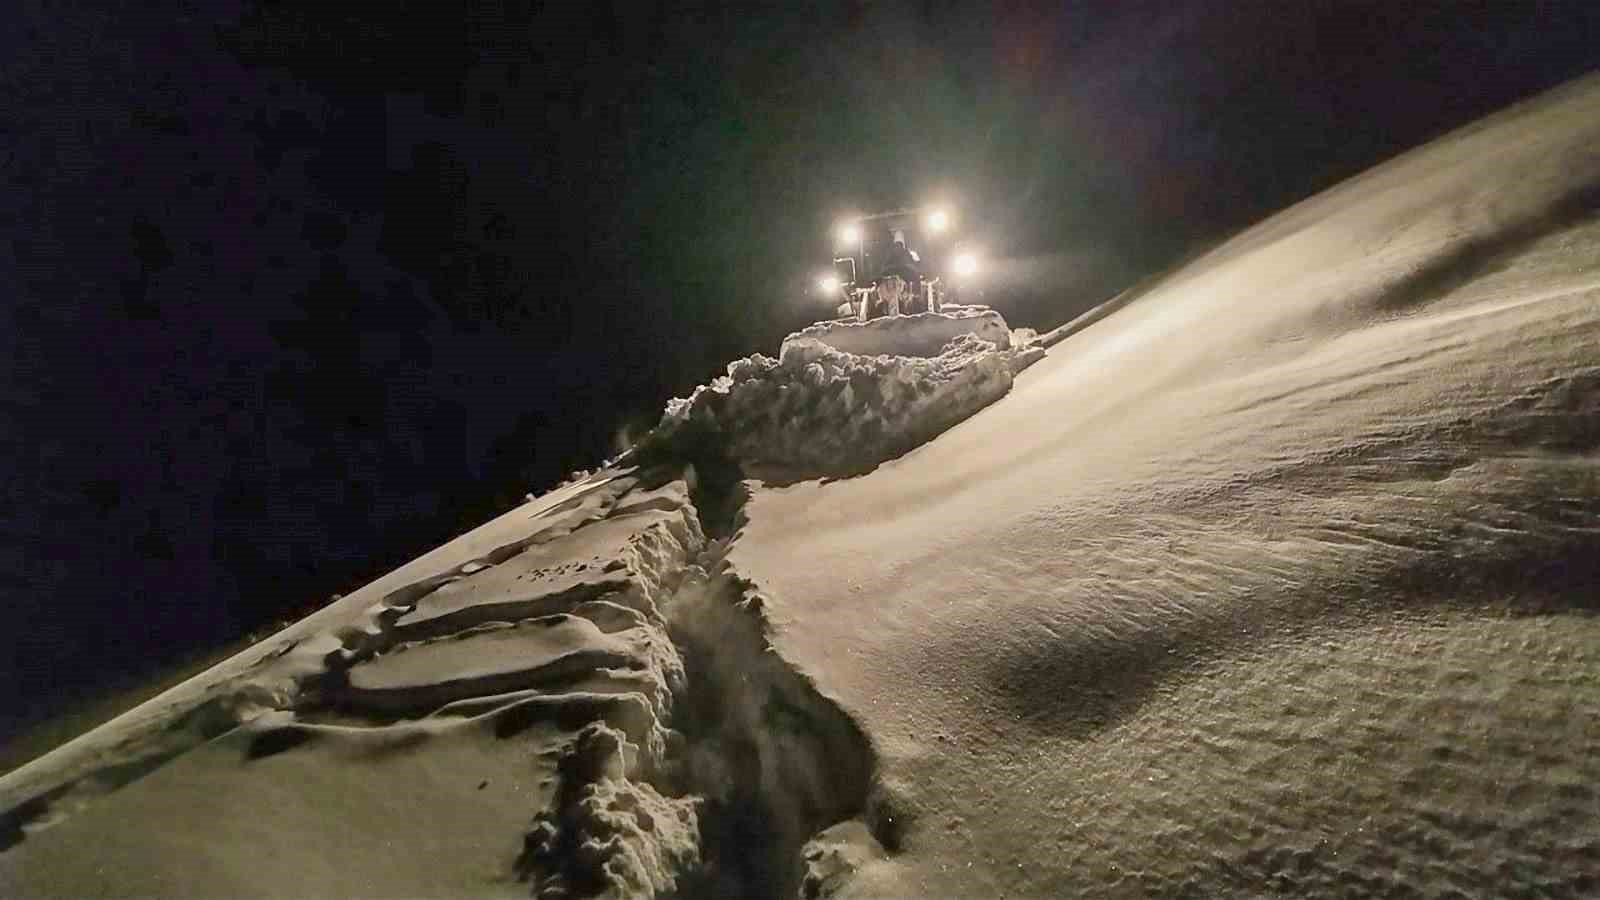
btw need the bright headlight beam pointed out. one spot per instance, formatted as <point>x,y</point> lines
<point>964,264</point>
<point>828,283</point>
<point>938,221</point>
<point>849,233</point>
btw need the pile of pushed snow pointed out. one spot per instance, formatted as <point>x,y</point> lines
<point>921,334</point>
<point>817,410</point>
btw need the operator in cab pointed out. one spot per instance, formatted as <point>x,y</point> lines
<point>899,277</point>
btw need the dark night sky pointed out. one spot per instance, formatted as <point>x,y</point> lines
<point>295,291</point>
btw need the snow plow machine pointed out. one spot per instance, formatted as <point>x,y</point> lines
<point>895,263</point>
<point>895,288</point>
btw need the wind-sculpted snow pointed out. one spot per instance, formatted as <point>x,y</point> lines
<point>817,410</point>
<point>1279,580</point>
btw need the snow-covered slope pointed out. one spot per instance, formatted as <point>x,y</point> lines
<point>1278,579</point>
<point>436,710</point>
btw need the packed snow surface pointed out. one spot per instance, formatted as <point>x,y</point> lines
<point>1277,578</point>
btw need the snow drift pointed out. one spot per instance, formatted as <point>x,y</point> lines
<point>821,411</point>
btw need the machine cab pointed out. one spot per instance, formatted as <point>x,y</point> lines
<point>870,277</point>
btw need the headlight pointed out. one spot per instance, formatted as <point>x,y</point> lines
<point>828,283</point>
<point>938,221</point>
<point>849,233</point>
<point>964,264</point>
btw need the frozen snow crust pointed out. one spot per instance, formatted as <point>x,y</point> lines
<point>818,410</point>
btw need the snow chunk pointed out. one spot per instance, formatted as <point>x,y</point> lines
<point>606,835</point>
<point>835,854</point>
